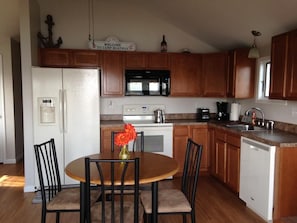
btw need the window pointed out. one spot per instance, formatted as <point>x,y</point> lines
<point>264,78</point>
<point>264,67</point>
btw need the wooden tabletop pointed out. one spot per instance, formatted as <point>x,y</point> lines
<point>153,167</point>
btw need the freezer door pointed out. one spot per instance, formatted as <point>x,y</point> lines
<point>47,83</point>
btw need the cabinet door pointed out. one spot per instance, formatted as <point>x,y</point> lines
<point>106,138</point>
<point>112,74</point>
<point>220,154</point>
<point>291,78</point>
<point>180,139</point>
<point>158,61</point>
<point>241,74</point>
<point>200,136</point>
<point>85,58</point>
<point>214,72</point>
<point>49,57</point>
<point>279,49</point>
<point>185,74</point>
<point>135,60</point>
<point>233,159</point>
<point>212,151</point>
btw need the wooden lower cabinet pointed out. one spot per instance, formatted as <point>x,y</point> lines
<point>180,138</point>
<point>105,144</point>
<point>233,162</point>
<point>225,158</point>
<point>199,134</point>
<point>220,155</point>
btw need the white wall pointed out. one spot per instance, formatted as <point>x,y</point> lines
<point>172,104</point>
<point>29,23</point>
<point>5,50</point>
<point>128,22</point>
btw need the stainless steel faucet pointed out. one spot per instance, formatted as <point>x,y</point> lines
<point>259,110</point>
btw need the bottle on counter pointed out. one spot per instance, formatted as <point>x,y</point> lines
<point>163,45</point>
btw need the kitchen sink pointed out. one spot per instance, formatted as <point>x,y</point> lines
<point>245,127</point>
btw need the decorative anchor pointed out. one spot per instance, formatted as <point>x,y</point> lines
<point>47,42</point>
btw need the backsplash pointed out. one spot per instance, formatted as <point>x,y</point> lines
<point>292,128</point>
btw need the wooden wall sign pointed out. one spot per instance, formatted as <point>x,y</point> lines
<point>112,43</point>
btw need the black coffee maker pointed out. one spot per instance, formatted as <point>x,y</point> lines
<point>222,114</point>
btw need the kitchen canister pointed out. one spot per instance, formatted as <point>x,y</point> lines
<point>235,111</point>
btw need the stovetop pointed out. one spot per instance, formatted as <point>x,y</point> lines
<point>142,115</point>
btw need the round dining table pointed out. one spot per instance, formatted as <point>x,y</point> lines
<point>153,168</point>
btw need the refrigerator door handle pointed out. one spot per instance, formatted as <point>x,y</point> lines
<point>65,111</point>
<point>61,122</point>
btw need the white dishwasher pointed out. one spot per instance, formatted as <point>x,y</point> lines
<point>257,176</point>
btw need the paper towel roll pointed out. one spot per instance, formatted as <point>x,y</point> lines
<point>235,111</point>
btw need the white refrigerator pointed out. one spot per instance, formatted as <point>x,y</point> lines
<point>66,108</point>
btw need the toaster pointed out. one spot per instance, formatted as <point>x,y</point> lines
<point>203,114</point>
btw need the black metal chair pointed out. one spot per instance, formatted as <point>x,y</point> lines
<point>112,175</point>
<point>138,143</point>
<point>175,201</point>
<point>54,199</point>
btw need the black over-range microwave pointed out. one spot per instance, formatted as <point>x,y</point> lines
<point>147,82</point>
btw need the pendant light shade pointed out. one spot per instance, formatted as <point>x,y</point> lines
<point>254,51</point>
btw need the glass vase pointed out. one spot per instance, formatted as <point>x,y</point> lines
<point>124,153</point>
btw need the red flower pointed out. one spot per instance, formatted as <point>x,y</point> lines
<point>123,138</point>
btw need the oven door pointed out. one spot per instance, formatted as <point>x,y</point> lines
<point>157,139</point>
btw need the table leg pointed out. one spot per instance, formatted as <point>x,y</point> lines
<point>82,202</point>
<point>154,218</point>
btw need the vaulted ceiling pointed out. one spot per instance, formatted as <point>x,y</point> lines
<point>224,24</point>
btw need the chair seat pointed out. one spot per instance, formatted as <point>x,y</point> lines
<point>169,200</point>
<point>96,212</point>
<point>69,199</point>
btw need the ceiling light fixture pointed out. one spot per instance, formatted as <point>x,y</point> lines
<point>254,51</point>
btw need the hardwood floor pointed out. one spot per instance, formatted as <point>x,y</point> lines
<point>214,203</point>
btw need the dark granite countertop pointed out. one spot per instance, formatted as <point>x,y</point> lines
<point>271,137</point>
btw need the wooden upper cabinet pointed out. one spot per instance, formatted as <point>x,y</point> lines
<point>241,74</point>
<point>291,78</point>
<point>53,57</point>
<point>158,60</point>
<point>86,58</point>
<point>214,74</point>
<point>143,60</point>
<point>112,74</point>
<point>279,52</point>
<point>135,60</point>
<point>283,83</point>
<point>185,74</point>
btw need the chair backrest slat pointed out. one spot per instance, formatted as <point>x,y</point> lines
<point>191,170</point>
<point>48,169</point>
<point>112,175</point>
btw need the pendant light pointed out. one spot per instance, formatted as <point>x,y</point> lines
<point>254,51</point>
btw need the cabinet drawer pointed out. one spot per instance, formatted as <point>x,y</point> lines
<point>220,135</point>
<point>181,130</point>
<point>233,140</point>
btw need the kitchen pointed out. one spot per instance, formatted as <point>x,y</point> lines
<point>113,105</point>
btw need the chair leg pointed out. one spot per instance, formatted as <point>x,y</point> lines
<point>184,218</point>
<point>193,218</point>
<point>43,216</point>
<point>58,217</point>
